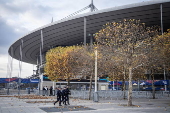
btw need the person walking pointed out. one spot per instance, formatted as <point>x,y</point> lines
<point>51,91</point>
<point>67,93</point>
<point>43,91</point>
<point>59,96</point>
<point>46,90</point>
<point>64,96</point>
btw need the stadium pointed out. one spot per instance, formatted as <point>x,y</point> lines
<point>79,29</point>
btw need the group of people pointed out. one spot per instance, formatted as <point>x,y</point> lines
<point>45,90</point>
<point>63,96</point>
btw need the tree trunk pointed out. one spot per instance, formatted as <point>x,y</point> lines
<point>68,81</point>
<point>90,87</point>
<point>124,89</point>
<point>130,88</point>
<point>124,85</point>
<point>153,87</point>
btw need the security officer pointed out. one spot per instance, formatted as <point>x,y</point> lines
<point>64,96</point>
<point>59,96</point>
<point>67,93</point>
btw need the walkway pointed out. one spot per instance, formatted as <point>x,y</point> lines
<point>15,105</point>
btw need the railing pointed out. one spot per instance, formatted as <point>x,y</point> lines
<point>21,92</point>
<point>119,94</point>
<point>12,92</point>
<point>105,94</point>
<point>17,92</point>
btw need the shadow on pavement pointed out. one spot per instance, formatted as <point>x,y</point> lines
<point>65,108</point>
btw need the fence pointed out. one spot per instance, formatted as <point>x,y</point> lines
<point>16,92</point>
<point>12,92</point>
<point>24,92</point>
<point>118,94</point>
<point>105,94</point>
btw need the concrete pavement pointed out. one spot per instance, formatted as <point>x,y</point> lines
<point>142,105</point>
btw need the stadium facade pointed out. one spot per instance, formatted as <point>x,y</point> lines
<point>32,47</point>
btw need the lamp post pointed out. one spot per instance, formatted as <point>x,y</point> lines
<point>165,82</point>
<point>95,70</point>
<point>95,96</point>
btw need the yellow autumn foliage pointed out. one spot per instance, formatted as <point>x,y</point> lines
<point>59,62</point>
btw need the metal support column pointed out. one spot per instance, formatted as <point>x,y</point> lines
<point>42,40</point>
<point>39,76</point>
<point>92,6</point>
<point>91,39</point>
<point>162,36</point>
<point>40,65</point>
<point>165,82</point>
<point>10,68</point>
<point>85,31</point>
<point>95,70</point>
<point>11,62</point>
<point>161,20</point>
<point>8,73</point>
<point>20,67</point>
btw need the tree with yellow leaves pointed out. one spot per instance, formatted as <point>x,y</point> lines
<point>127,40</point>
<point>61,63</point>
<point>162,49</point>
<point>114,67</point>
<point>69,62</point>
<point>158,56</point>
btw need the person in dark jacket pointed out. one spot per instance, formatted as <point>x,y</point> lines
<point>44,91</point>
<point>51,91</point>
<point>64,99</point>
<point>59,96</point>
<point>67,93</point>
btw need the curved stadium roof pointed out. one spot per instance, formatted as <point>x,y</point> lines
<point>70,31</point>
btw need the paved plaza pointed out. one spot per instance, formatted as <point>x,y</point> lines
<point>141,105</point>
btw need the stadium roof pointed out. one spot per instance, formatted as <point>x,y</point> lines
<point>70,31</point>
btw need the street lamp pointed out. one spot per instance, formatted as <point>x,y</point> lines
<point>95,96</point>
<point>95,70</point>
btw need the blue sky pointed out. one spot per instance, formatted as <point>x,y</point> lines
<point>18,17</point>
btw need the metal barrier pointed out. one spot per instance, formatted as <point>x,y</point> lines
<point>28,91</point>
<point>104,94</point>
<point>118,94</point>
<point>17,92</point>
